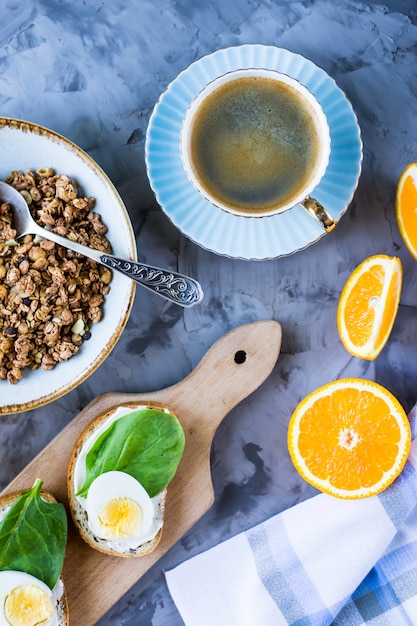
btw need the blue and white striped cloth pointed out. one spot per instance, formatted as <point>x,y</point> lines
<point>323,562</point>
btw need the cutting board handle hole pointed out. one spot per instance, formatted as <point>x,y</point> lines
<point>240,357</point>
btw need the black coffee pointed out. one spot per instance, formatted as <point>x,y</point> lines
<point>254,144</point>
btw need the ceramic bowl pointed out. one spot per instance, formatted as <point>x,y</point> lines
<point>24,146</point>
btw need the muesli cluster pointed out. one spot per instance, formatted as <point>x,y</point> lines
<point>49,296</point>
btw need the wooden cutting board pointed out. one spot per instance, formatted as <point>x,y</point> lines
<point>231,370</point>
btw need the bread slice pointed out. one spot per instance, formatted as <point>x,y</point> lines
<point>79,514</point>
<point>59,589</point>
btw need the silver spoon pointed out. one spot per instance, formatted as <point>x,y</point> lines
<point>175,287</point>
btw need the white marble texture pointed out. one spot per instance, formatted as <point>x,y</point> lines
<point>92,71</point>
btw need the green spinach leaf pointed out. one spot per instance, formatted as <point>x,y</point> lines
<point>33,536</point>
<point>147,444</point>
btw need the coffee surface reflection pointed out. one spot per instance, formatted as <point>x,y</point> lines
<point>254,144</point>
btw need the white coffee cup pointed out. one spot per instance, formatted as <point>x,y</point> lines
<point>255,143</point>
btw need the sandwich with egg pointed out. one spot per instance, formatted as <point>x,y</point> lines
<point>118,475</point>
<point>33,538</point>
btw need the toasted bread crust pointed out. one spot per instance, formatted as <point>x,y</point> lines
<point>78,513</point>
<point>5,503</point>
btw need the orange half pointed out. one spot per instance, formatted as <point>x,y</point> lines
<point>368,305</point>
<point>406,207</point>
<point>349,438</point>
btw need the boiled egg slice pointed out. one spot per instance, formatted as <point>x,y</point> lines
<point>120,510</point>
<point>25,601</point>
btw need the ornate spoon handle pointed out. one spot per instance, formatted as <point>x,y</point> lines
<point>177,288</point>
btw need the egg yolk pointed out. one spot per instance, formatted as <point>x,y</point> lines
<point>28,605</point>
<point>120,518</point>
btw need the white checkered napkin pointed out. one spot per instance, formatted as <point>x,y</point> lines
<point>323,562</point>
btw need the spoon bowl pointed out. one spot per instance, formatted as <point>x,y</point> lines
<point>173,286</point>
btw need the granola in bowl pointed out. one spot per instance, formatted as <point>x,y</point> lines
<point>49,296</point>
<point>69,285</point>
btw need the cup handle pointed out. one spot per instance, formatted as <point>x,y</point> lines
<point>319,213</point>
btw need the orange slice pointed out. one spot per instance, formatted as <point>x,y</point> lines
<point>368,305</point>
<point>350,438</point>
<point>406,207</point>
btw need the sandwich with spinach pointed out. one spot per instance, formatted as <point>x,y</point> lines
<point>33,538</point>
<point>118,476</point>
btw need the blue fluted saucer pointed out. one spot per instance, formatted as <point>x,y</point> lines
<point>250,237</point>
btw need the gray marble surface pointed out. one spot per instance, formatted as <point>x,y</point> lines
<point>92,70</point>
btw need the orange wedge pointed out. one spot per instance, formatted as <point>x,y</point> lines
<point>368,305</point>
<point>350,438</point>
<point>406,207</point>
